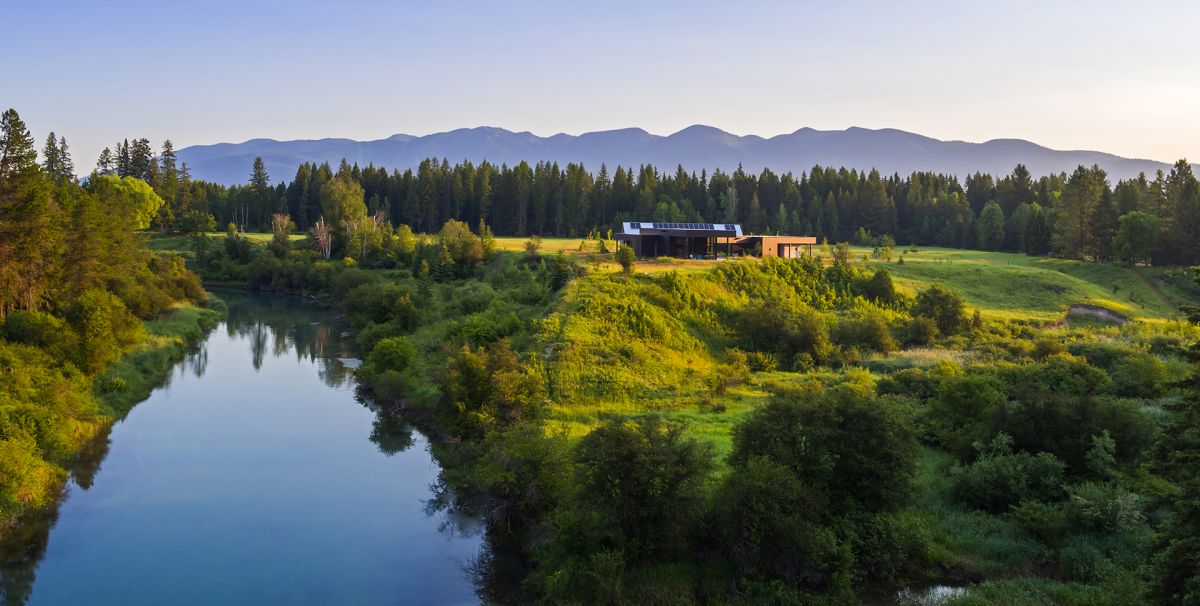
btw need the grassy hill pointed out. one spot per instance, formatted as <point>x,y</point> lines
<point>1001,285</point>
<point>1014,286</point>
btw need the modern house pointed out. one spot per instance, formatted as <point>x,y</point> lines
<point>707,240</point>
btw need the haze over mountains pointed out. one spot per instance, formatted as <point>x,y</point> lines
<point>696,147</point>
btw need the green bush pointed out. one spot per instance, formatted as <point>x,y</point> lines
<point>762,362</point>
<point>865,331</point>
<point>1000,478</point>
<point>1047,522</point>
<point>1059,405</point>
<point>1080,560</point>
<point>771,526</point>
<point>42,330</point>
<point>639,490</point>
<point>786,327</point>
<point>880,288</point>
<point>393,353</point>
<point>1140,375</point>
<point>920,331</point>
<point>960,414</point>
<point>860,450</point>
<point>1104,508</point>
<point>625,258</point>
<point>945,307</point>
<point>105,329</point>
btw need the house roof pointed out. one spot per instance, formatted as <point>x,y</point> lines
<point>635,228</point>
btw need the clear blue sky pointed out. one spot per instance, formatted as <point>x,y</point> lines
<point>1119,77</point>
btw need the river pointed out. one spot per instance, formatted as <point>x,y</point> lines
<point>254,476</point>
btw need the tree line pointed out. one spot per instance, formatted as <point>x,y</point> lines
<point>1147,219</point>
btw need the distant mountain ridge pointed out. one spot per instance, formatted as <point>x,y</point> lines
<point>695,147</point>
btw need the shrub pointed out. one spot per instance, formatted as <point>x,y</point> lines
<point>104,326</point>
<point>625,258</point>
<point>1104,508</point>
<point>860,450</point>
<point>1047,522</point>
<point>1140,375</point>
<point>770,525</point>
<point>393,353</point>
<point>786,327</point>
<point>1058,406</point>
<point>1080,560</point>
<point>958,417</point>
<point>945,307</point>
<point>491,326</point>
<point>1001,478</point>
<point>921,331</point>
<point>1047,347</point>
<point>41,329</point>
<point>644,481</point>
<point>866,331</point>
<point>880,288</point>
<point>763,362</point>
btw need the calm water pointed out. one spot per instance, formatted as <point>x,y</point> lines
<point>253,477</point>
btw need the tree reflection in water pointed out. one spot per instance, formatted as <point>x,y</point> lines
<point>273,325</point>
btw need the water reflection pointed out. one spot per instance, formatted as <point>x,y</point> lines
<point>248,480</point>
<point>285,324</point>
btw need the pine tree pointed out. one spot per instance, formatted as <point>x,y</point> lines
<point>260,183</point>
<point>1183,194</point>
<point>141,157</point>
<point>51,159</point>
<point>123,160</point>
<point>755,218</point>
<point>168,187</point>
<point>107,163</point>
<point>1073,216</point>
<point>29,223</point>
<point>487,240</point>
<point>444,270</point>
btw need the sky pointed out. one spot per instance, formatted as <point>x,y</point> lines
<point>1120,77</point>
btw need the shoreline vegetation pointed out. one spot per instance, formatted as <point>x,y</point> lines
<point>142,367</point>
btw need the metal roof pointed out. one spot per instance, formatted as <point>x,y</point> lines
<point>636,227</point>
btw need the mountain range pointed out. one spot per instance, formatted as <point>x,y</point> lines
<point>695,148</point>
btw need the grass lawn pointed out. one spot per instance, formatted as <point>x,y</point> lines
<point>179,243</point>
<point>1015,286</point>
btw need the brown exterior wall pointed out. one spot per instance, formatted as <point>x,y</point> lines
<point>789,247</point>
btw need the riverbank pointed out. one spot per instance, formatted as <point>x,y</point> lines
<point>35,477</point>
<point>168,338</point>
<point>208,497</point>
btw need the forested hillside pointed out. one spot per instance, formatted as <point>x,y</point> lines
<point>1083,215</point>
